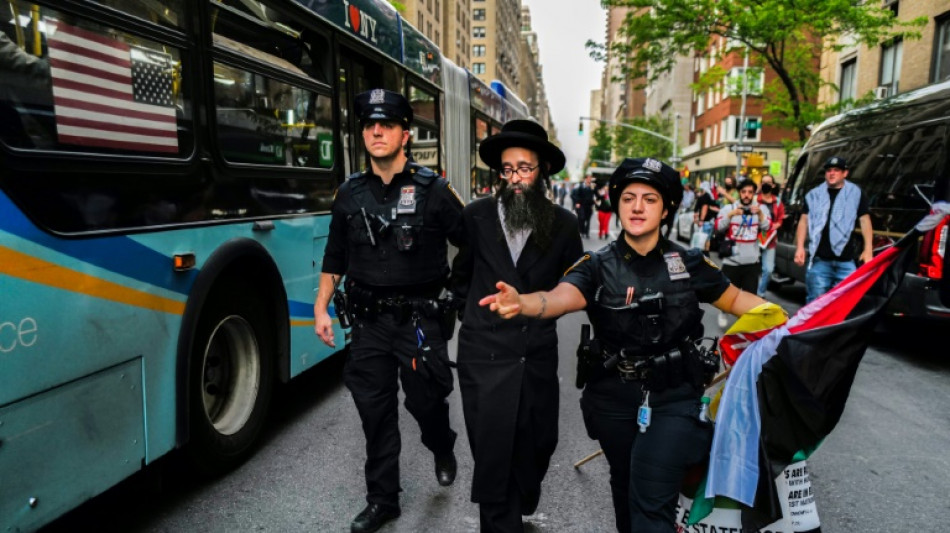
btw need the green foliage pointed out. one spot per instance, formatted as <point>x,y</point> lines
<point>602,145</point>
<point>400,7</point>
<point>786,36</point>
<point>632,143</point>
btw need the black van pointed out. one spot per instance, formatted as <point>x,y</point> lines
<point>899,153</point>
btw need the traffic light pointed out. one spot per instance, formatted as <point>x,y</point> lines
<point>580,128</point>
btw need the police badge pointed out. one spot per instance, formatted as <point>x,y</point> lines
<point>377,96</point>
<point>407,200</point>
<point>675,266</point>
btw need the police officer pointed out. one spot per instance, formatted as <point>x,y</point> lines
<point>388,235</point>
<point>644,375</point>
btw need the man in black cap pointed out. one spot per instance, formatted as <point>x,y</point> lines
<point>828,218</point>
<point>388,235</point>
<point>644,376</point>
<point>508,371</point>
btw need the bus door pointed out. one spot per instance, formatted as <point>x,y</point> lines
<point>357,74</point>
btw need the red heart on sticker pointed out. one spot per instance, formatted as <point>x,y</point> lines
<point>355,18</point>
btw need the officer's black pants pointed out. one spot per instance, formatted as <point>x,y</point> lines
<point>646,469</point>
<point>380,351</point>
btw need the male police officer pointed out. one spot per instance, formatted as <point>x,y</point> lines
<point>388,235</point>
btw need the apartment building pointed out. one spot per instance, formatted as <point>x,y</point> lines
<point>893,67</point>
<point>447,23</point>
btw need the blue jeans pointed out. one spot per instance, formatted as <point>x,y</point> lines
<point>823,275</point>
<point>768,265</point>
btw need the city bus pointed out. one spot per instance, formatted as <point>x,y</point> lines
<point>166,173</point>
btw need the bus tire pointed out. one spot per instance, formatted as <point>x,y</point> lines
<point>231,381</point>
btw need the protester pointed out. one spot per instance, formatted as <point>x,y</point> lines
<point>769,201</point>
<point>828,218</point>
<point>740,223</point>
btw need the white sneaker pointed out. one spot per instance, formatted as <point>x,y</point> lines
<point>723,321</point>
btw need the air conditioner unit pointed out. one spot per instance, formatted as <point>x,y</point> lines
<point>882,91</point>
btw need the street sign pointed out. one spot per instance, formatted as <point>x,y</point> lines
<point>740,148</point>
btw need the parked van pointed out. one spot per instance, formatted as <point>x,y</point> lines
<point>898,150</point>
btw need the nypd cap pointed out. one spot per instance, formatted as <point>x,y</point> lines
<point>380,104</point>
<point>662,177</point>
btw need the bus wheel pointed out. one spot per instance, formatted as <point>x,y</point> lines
<point>231,384</point>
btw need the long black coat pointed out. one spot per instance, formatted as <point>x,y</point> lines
<point>507,369</point>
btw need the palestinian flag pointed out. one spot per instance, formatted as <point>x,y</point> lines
<point>788,389</point>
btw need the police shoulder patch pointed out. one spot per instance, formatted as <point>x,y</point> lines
<point>455,194</point>
<point>709,262</point>
<point>585,257</point>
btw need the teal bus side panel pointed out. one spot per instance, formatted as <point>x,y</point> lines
<point>64,446</point>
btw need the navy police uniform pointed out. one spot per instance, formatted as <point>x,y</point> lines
<point>390,241</point>
<point>655,337</point>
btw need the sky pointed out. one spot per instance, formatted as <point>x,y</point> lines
<point>563,26</point>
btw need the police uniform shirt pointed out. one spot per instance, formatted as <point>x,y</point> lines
<point>443,210</point>
<point>705,278</point>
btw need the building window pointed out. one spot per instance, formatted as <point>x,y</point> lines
<point>478,68</point>
<point>891,66</point>
<point>478,14</point>
<point>942,50</point>
<point>847,89</point>
<point>421,21</point>
<point>478,32</point>
<point>438,11</point>
<point>755,81</point>
<point>478,50</point>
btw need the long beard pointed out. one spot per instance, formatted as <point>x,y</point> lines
<point>529,210</point>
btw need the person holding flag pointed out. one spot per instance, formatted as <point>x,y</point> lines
<point>644,375</point>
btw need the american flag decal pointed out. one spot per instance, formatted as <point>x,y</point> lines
<point>110,94</point>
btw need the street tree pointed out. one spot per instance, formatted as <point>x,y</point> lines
<point>602,146</point>
<point>629,142</point>
<point>786,36</point>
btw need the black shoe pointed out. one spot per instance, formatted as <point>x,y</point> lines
<point>445,467</point>
<point>372,518</point>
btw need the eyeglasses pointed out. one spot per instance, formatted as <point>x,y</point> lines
<point>523,172</point>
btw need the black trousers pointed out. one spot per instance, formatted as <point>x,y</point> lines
<point>380,353</point>
<point>583,219</point>
<point>746,277</point>
<point>646,469</point>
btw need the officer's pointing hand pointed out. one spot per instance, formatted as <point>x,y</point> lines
<point>506,302</point>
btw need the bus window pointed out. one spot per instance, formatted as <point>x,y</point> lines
<point>261,120</point>
<point>164,12</point>
<point>83,87</point>
<point>267,35</point>
<point>481,174</point>
<point>425,129</point>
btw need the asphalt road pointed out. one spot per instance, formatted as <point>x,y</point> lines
<point>884,469</point>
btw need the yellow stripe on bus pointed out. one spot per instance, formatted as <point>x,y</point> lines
<point>20,265</point>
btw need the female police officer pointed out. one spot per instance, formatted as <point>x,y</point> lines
<point>644,375</point>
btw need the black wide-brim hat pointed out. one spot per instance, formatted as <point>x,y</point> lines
<point>662,177</point>
<point>521,134</point>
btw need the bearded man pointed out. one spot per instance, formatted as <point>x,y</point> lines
<point>507,369</point>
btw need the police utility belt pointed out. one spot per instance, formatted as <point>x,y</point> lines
<point>365,304</point>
